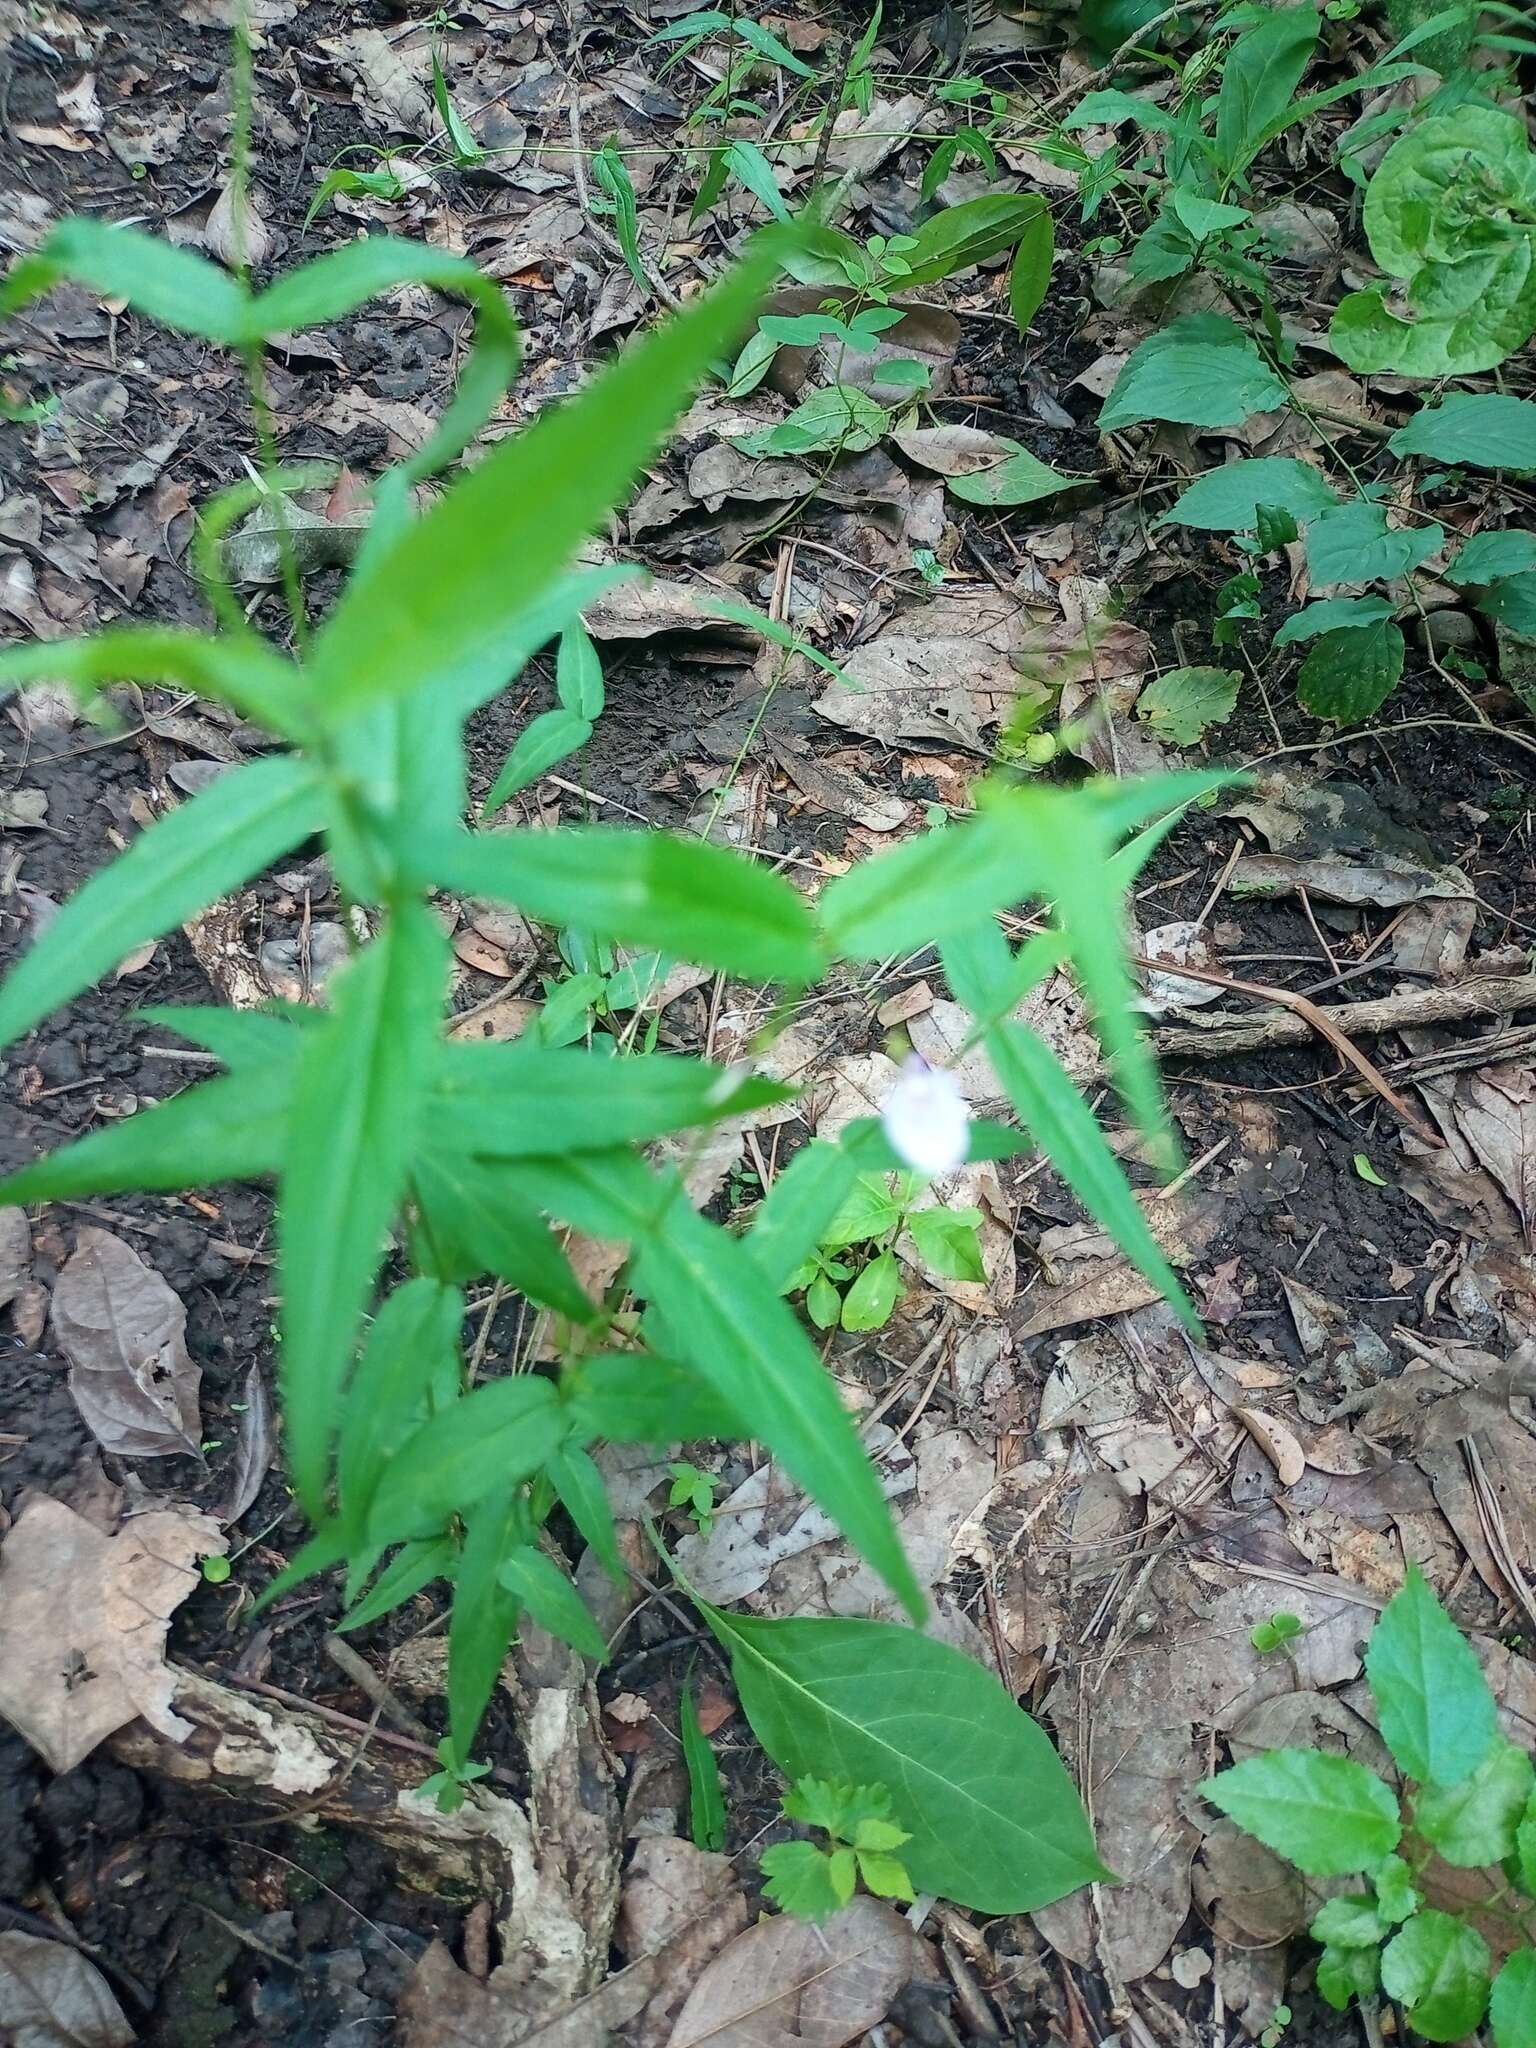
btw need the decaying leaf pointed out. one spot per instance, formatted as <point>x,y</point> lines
<point>786,1984</point>
<point>83,1619</point>
<point>1090,1278</point>
<point>52,1996</point>
<point>253,1453</point>
<point>123,1331</point>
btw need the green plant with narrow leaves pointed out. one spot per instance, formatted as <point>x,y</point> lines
<point>1467,1800</point>
<point>409,1165</point>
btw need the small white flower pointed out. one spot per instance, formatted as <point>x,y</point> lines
<point>926,1118</point>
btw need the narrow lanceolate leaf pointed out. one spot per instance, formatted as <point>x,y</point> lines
<point>995,1822</point>
<point>413,1566</point>
<point>798,1209</point>
<point>230,1129</point>
<point>484,1614</point>
<point>194,854</point>
<point>363,1077</point>
<point>680,896</point>
<point>548,740</point>
<point>507,1101</point>
<point>584,1496</point>
<point>1068,1133</point>
<point>1437,1714</point>
<point>492,1438</point>
<point>244,673</point>
<point>706,1800</point>
<point>475,1225</point>
<point>551,1600</point>
<point>444,597</point>
<point>172,285</point>
<point>1327,1815</point>
<point>410,1354</point>
<point>730,1325</point>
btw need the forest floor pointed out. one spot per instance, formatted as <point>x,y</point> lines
<point>1103,1512</point>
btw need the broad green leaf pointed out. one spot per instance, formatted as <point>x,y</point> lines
<point>995,1822</point>
<point>806,1881</point>
<point>551,1600</point>
<point>1525,1855</point>
<point>833,416</point>
<point>1438,1967</point>
<point>1489,557</point>
<point>1184,703</point>
<point>243,673</point>
<point>869,1302</point>
<point>694,901</point>
<point>870,1210</point>
<point>168,284</point>
<point>492,1438</point>
<point>1349,1922</point>
<point>1329,615</point>
<point>483,1618</point>
<point>1473,1823</point>
<point>410,1356</point>
<point>1029,276</point>
<point>1069,1134</point>
<point>507,1101</point>
<point>229,1129</point>
<point>706,1800</point>
<point>542,745</point>
<point>947,1242</point>
<point>579,674</point>
<point>584,1496</point>
<point>413,1566</point>
<point>730,1325</point>
<point>1201,217</point>
<point>185,860</point>
<point>1323,1813</point>
<point>1512,2003</point>
<point>441,600</point>
<point>474,1226</point>
<point>981,467</point>
<point>1353,544</point>
<point>960,237</point>
<point>1258,82</point>
<point>1482,429</point>
<point>1227,500</point>
<point>1436,1712</point>
<point>1109,106</point>
<point>363,1076</point>
<point>1351,671</point>
<point>1202,371</point>
<point>1344,1974</point>
<point>1395,1894</point>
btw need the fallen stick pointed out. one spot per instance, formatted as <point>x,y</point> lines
<point>1220,1032</point>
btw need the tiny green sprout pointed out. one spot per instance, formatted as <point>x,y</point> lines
<point>446,1786</point>
<point>1367,1172</point>
<point>216,1570</point>
<point>138,173</point>
<point>928,565</point>
<point>1275,1633</point>
<point>813,1883</point>
<point>694,1492</point>
<point>1272,2035</point>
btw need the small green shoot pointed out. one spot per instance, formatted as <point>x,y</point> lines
<point>864,1845</point>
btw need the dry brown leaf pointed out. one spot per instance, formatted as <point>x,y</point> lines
<point>1090,1277</point>
<point>83,1619</point>
<point>123,1331</point>
<point>785,1984</point>
<point>15,1254</point>
<point>52,1996</point>
<point>1496,1110</point>
<point>1277,1443</point>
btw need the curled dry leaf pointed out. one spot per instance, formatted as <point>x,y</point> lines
<point>253,1453</point>
<point>1277,1443</point>
<point>786,1984</point>
<point>83,1619</point>
<point>123,1331</point>
<point>54,1997</point>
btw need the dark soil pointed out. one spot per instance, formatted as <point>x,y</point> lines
<point>183,1899</point>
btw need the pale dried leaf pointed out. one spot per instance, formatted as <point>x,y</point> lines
<point>785,1984</point>
<point>1277,1443</point>
<point>83,1619</point>
<point>253,1452</point>
<point>123,1331</point>
<point>52,1996</point>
